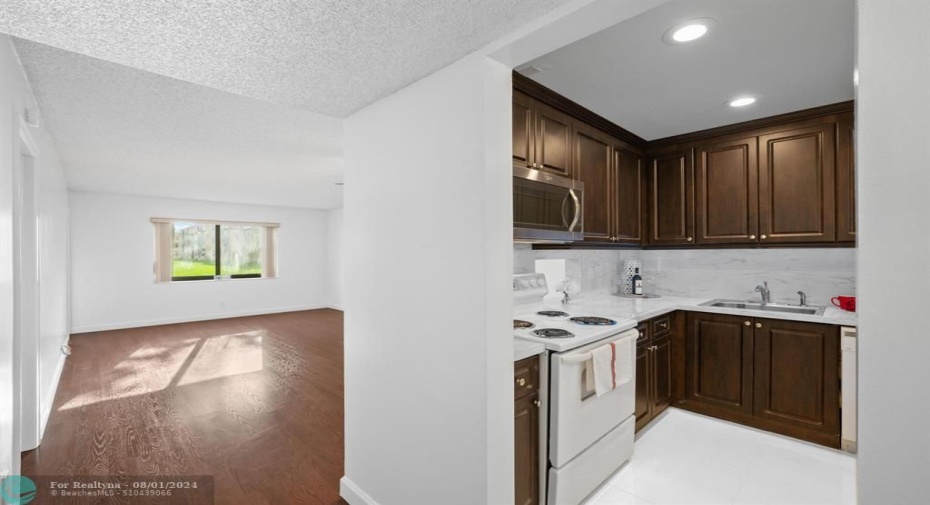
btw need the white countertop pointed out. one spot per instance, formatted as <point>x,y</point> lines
<point>523,349</point>
<point>640,309</point>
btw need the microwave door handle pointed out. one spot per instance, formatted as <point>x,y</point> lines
<point>577,218</point>
<point>564,220</point>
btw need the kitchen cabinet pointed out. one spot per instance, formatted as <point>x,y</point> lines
<point>796,374</point>
<point>613,175</point>
<point>671,198</point>
<point>845,181</point>
<point>526,431</point>
<point>593,166</point>
<point>629,200</point>
<point>542,136</point>
<point>781,181</point>
<point>771,374</point>
<point>653,369</point>
<point>796,185</point>
<point>719,362</point>
<point>727,192</point>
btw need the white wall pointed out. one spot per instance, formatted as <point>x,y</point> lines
<point>428,352</point>
<point>821,273</point>
<point>892,135</point>
<point>51,204</point>
<point>336,263</point>
<point>113,250</point>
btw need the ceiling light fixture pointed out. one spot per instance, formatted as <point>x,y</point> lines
<point>741,101</point>
<point>689,31</point>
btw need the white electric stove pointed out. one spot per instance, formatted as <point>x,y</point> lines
<point>589,436</point>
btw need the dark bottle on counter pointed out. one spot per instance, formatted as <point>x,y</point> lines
<point>637,283</point>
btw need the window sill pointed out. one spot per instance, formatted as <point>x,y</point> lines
<point>201,281</point>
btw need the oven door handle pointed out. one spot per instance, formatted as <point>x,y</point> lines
<point>577,214</point>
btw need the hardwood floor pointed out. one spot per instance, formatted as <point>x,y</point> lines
<point>256,402</point>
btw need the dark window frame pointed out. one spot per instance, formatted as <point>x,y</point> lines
<point>217,265</point>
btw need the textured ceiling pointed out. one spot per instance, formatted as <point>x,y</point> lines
<point>328,56</point>
<point>792,55</point>
<point>123,130</point>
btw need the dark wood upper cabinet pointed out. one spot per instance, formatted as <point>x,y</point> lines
<point>524,128</point>
<point>629,185</point>
<point>671,198</point>
<point>846,181</point>
<point>796,185</point>
<point>719,360</point>
<point>553,141</point>
<point>593,167</point>
<point>727,192</point>
<point>797,374</point>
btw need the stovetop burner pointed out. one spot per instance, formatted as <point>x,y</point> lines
<point>519,324</point>
<point>552,313</point>
<point>593,321</point>
<point>553,333</point>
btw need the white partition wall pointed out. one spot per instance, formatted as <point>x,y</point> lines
<point>893,103</point>
<point>428,261</point>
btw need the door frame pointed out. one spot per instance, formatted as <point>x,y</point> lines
<point>27,398</point>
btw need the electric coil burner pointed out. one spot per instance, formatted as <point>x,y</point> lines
<point>552,313</point>
<point>519,324</point>
<point>553,333</point>
<point>593,321</point>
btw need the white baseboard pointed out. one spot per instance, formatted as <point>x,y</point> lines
<point>46,407</point>
<point>353,494</point>
<point>189,319</point>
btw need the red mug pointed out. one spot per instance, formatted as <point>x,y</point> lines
<point>845,302</point>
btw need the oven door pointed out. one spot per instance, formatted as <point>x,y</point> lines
<point>546,208</point>
<point>578,418</point>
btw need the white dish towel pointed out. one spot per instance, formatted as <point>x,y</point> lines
<point>613,365</point>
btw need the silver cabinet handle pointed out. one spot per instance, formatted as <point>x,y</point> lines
<point>690,239</point>
<point>752,237</point>
<point>537,403</point>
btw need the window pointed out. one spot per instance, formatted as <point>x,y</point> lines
<point>188,250</point>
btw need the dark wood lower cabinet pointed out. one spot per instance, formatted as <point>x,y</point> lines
<point>775,375</point>
<point>653,370</point>
<point>526,432</point>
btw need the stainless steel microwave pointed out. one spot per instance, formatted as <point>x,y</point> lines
<point>546,207</point>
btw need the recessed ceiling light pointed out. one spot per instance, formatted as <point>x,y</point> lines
<point>741,101</point>
<point>689,30</point>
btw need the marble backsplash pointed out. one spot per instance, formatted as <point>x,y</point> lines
<point>717,273</point>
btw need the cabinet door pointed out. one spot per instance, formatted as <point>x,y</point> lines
<point>671,199</point>
<point>524,127</point>
<point>796,185</point>
<point>661,374</point>
<point>553,141</point>
<point>797,374</point>
<point>727,192</point>
<point>526,450</point>
<point>643,412</point>
<point>719,361</point>
<point>629,186</point>
<point>845,182</point>
<point>592,166</point>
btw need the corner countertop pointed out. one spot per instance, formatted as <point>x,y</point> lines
<point>523,349</point>
<point>640,309</point>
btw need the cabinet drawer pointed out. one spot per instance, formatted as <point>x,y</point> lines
<point>662,325</point>
<point>525,377</point>
<point>644,335</point>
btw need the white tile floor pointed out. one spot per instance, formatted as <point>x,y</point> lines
<point>687,458</point>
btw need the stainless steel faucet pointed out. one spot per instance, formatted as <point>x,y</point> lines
<point>803,298</point>
<point>566,298</point>
<point>763,289</point>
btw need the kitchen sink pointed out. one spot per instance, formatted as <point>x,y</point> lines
<point>768,307</point>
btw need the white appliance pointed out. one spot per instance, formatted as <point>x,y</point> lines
<point>590,437</point>
<point>849,360</point>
